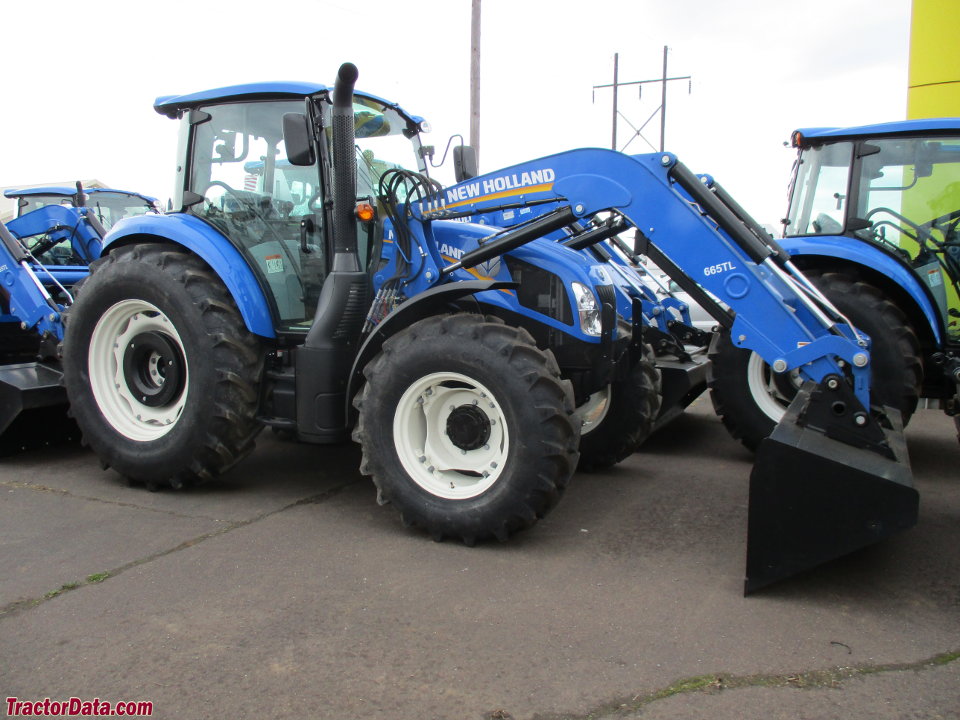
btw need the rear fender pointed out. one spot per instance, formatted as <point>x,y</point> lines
<point>877,261</point>
<point>215,249</point>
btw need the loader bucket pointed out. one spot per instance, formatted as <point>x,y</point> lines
<point>823,487</point>
<point>33,408</point>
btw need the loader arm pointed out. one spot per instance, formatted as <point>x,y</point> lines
<point>27,301</point>
<point>678,216</point>
<point>834,476</point>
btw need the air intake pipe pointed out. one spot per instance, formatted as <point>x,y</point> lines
<point>344,171</point>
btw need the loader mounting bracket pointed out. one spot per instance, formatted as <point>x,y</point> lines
<point>834,410</point>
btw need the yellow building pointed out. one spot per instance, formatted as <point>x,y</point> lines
<point>934,80</point>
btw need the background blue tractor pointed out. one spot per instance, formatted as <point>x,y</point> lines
<point>108,204</point>
<point>872,222</point>
<point>44,253</point>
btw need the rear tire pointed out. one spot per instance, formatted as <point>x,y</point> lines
<point>750,399</point>
<point>466,427</point>
<point>161,372</point>
<point>619,418</point>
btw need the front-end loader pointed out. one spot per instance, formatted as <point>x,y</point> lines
<point>456,354</point>
<point>43,255</point>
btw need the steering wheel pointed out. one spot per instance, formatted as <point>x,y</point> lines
<point>230,191</point>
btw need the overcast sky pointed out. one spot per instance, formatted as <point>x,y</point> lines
<point>82,76</point>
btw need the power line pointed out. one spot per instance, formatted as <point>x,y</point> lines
<point>616,84</point>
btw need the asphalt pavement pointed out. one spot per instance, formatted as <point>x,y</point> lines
<point>283,590</point>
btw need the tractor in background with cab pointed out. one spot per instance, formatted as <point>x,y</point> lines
<point>873,222</point>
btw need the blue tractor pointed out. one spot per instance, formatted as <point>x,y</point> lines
<point>109,205</point>
<point>872,222</point>
<point>57,232</point>
<point>314,279</point>
<point>44,253</point>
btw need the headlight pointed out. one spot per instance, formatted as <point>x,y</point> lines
<point>588,308</point>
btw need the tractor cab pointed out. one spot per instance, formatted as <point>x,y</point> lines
<point>277,212</point>
<point>895,186</point>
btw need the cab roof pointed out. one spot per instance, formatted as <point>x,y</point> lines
<point>172,105</point>
<point>66,191</point>
<point>902,127</point>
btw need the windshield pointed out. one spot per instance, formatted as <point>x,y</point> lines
<point>384,141</point>
<point>110,207</point>
<point>819,197</point>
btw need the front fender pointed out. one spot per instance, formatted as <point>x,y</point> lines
<point>215,249</point>
<point>868,256</point>
<point>431,302</point>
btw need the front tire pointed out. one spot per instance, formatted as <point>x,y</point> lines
<point>619,418</point>
<point>161,373</point>
<point>466,427</point>
<point>751,399</point>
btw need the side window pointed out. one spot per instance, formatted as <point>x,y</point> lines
<point>259,200</point>
<point>910,192</point>
<point>910,196</point>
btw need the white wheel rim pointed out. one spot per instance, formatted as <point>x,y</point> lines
<point>427,452</point>
<point>763,388</point>
<point>593,411</point>
<point>125,412</point>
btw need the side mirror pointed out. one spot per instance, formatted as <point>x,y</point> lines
<point>296,138</point>
<point>465,162</point>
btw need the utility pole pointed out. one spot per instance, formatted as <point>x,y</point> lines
<point>616,65</point>
<point>475,77</point>
<point>663,100</point>
<point>616,84</point>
